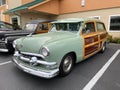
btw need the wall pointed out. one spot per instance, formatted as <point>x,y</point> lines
<point>104,16</point>
<point>14,3</point>
<point>68,6</point>
<point>2,16</point>
<point>26,1</point>
<point>51,7</point>
<point>26,17</point>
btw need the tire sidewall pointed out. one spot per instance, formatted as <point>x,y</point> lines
<point>61,71</point>
<point>103,47</point>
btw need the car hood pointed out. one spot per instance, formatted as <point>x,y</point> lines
<point>35,42</point>
<point>6,33</point>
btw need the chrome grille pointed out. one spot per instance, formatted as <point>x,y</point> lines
<point>30,56</point>
<point>2,45</point>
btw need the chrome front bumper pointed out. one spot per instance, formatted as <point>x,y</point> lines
<point>37,72</point>
<point>3,47</point>
<point>3,50</point>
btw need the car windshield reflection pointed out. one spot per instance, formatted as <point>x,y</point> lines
<point>6,26</point>
<point>69,27</point>
<point>30,27</point>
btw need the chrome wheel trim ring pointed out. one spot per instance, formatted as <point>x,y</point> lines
<point>67,64</point>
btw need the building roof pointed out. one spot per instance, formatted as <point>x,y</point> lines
<point>25,6</point>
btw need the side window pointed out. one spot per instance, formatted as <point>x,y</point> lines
<point>89,28</point>
<point>43,26</point>
<point>100,26</point>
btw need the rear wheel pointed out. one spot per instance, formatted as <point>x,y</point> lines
<point>66,65</point>
<point>103,47</point>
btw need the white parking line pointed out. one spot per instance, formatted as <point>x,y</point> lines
<point>94,80</point>
<point>5,63</point>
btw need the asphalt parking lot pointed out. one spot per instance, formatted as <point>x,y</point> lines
<point>99,72</point>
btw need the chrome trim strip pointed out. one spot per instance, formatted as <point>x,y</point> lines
<point>3,50</point>
<point>46,49</point>
<point>17,54</point>
<point>2,41</point>
<point>38,61</point>
<point>33,54</point>
<point>16,34</point>
<point>40,73</point>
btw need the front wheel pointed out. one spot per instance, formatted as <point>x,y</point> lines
<point>66,65</point>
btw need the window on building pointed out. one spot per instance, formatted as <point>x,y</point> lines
<point>114,24</point>
<point>2,2</point>
<point>15,21</point>
<point>94,17</point>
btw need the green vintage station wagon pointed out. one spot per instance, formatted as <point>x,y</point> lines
<point>69,41</point>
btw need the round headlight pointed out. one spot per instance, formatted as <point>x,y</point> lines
<point>45,51</point>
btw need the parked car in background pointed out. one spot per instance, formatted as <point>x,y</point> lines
<point>69,41</point>
<point>8,33</point>
<point>4,26</point>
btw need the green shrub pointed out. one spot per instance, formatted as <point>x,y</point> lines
<point>115,40</point>
<point>110,39</point>
<point>118,41</point>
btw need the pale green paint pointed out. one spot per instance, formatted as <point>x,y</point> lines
<point>59,44</point>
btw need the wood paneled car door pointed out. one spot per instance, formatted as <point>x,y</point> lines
<point>102,33</point>
<point>90,37</point>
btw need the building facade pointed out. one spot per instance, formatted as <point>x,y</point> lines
<point>3,8</point>
<point>22,11</point>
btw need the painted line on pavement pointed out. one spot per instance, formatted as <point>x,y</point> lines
<point>98,75</point>
<point>5,63</point>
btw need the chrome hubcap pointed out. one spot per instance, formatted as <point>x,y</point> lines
<point>103,48</point>
<point>67,64</point>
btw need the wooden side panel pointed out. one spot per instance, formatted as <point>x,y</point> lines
<point>91,44</point>
<point>91,49</point>
<point>102,36</point>
<point>91,39</point>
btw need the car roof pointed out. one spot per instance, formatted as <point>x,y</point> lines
<point>74,20</point>
<point>39,21</point>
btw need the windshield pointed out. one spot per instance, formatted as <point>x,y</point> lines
<point>30,27</point>
<point>6,26</point>
<point>71,27</point>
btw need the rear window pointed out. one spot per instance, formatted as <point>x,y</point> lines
<point>100,26</point>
